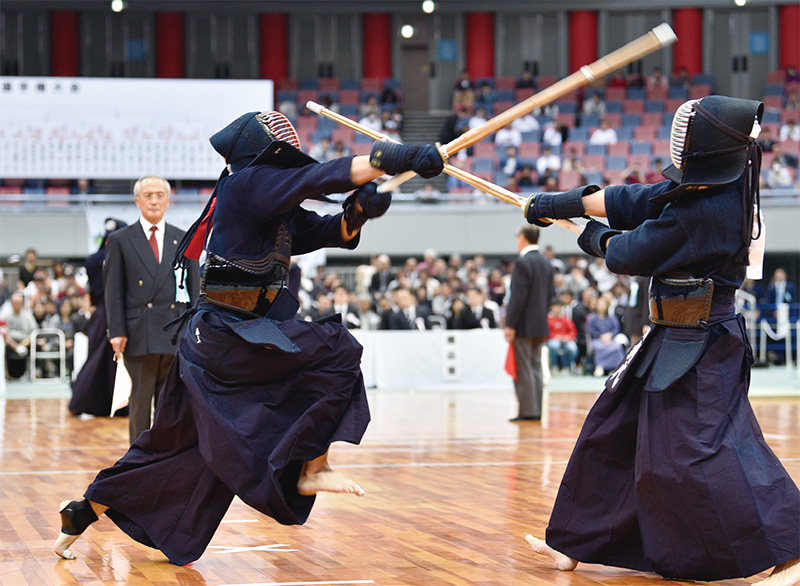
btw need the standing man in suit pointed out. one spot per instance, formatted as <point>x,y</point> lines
<point>142,294</point>
<point>526,321</point>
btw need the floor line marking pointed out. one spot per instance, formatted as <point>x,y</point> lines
<point>303,583</point>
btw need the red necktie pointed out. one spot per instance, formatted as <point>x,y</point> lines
<point>153,242</point>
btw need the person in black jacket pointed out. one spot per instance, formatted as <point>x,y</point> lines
<point>142,295</point>
<point>526,321</point>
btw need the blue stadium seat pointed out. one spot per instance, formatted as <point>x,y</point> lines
<point>702,79</point>
<point>614,107</point>
<point>594,177</point>
<point>590,120</point>
<point>595,149</point>
<point>641,148</point>
<point>678,92</point>
<point>654,106</point>
<point>625,133</point>
<point>616,163</point>
<point>771,117</point>
<point>393,83</point>
<point>774,90</point>
<point>504,95</point>
<point>578,134</point>
<point>328,125</point>
<point>349,83</point>
<point>567,108</point>
<point>481,165</point>
<point>348,109</point>
<point>663,132</point>
<point>631,120</point>
<point>309,83</point>
<point>532,136</point>
<point>287,96</point>
<point>590,91</point>
<point>636,93</point>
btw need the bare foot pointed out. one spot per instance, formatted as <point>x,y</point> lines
<point>563,562</point>
<point>787,574</point>
<point>318,476</point>
<point>61,546</point>
<point>77,519</point>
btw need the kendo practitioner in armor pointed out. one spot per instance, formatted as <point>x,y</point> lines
<point>93,388</point>
<point>671,473</point>
<point>255,397</point>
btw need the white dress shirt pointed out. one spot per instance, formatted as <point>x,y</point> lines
<point>159,234</point>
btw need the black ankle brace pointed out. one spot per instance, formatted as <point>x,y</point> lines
<point>76,517</point>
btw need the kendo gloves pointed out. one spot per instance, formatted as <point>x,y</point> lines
<point>557,205</point>
<point>594,238</point>
<point>372,204</point>
<point>394,158</point>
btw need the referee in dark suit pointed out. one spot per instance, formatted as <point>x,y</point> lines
<point>526,321</point>
<point>142,295</point>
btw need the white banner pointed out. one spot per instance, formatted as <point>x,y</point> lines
<point>119,128</point>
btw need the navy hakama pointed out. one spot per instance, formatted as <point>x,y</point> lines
<point>671,472</point>
<point>235,419</point>
<point>93,388</point>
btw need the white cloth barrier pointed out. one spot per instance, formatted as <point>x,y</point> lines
<point>434,359</point>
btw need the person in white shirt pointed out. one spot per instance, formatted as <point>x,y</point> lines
<point>605,134</point>
<point>372,121</point>
<point>552,134</point>
<point>527,123</point>
<point>478,118</point>
<point>548,160</point>
<point>789,131</point>
<point>508,136</point>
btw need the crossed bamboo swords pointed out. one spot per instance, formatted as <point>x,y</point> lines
<point>659,37</point>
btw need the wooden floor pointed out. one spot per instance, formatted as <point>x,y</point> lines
<point>452,488</point>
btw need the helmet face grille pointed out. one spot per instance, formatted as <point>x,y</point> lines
<point>680,132</point>
<point>278,126</point>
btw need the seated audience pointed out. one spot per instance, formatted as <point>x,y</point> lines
<point>20,324</point>
<point>562,342</point>
<point>603,328</point>
<point>605,134</point>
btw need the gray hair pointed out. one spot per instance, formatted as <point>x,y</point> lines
<point>137,187</point>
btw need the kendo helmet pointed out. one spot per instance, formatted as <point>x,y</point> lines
<point>260,138</point>
<point>712,143</point>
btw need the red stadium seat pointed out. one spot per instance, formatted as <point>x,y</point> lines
<point>505,83</point>
<point>529,150</point>
<point>656,93</point>
<point>483,149</point>
<point>775,77</point>
<point>569,179</point>
<point>620,149</point>
<point>699,91</point>
<point>329,84</point>
<point>642,160</point>
<point>595,162</point>
<point>580,148</point>
<point>348,96</point>
<point>652,119</point>
<point>633,106</point>
<point>645,133</point>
